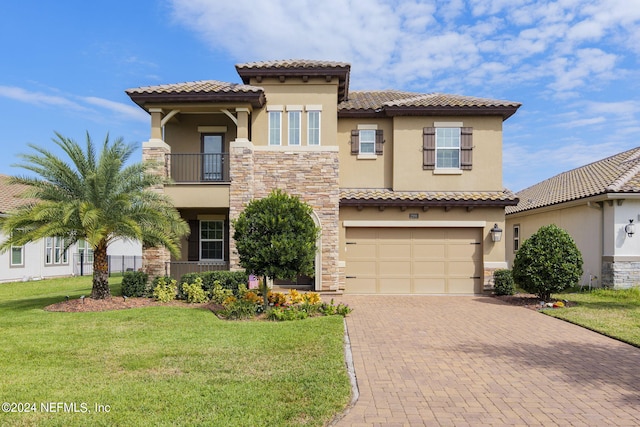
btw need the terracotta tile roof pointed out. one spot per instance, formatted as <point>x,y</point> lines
<point>198,91</point>
<point>390,102</point>
<point>619,173</point>
<point>354,196</point>
<point>293,63</point>
<point>10,195</point>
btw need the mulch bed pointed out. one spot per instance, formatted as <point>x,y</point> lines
<point>117,303</point>
<point>529,301</point>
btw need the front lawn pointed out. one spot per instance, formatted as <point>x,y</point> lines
<point>162,365</point>
<point>615,313</point>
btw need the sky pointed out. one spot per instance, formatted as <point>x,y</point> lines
<point>573,64</point>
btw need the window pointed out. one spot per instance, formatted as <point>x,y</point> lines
<point>294,127</point>
<point>367,140</point>
<point>85,252</point>
<point>516,237</point>
<point>55,252</point>
<point>313,118</point>
<point>17,256</point>
<point>211,240</point>
<point>447,148</point>
<point>275,126</point>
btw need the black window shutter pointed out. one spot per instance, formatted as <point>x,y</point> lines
<point>194,241</point>
<point>429,148</point>
<point>379,141</point>
<point>355,141</point>
<point>466,148</point>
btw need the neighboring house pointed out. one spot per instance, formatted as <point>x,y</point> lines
<point>595,204</point>
<point>47,258</point>
<point>406,187</point>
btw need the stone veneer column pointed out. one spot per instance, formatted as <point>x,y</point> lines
<point>155,260</point>
<point>240,189</point>
<point>309,174</point>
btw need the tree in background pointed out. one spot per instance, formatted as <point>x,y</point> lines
<point>96,198</point>
<point>276,237</point>
<point>548,262</point>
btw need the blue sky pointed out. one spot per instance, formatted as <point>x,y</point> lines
<point>573,64</point>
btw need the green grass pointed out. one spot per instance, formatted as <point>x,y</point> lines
<point>615,313</point>
<point>164,365</point>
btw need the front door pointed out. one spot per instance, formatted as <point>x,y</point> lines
<point>212,158</point>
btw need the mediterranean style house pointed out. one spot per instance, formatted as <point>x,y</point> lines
<point>406,187</point>
<point>599,206</point>
<point>52,257</point>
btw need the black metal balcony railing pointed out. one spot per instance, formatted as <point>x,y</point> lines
<point>198,167</point>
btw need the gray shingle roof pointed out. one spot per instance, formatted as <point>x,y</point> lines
<point>619,173</point>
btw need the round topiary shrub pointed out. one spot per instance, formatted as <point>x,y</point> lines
<point>548,262</point>
<point>503,283</point>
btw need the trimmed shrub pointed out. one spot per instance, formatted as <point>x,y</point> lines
<point>548,262</point>
<point>238,309</point>
<point>135,284</point>
<point>194,292</point>
<point>503,283</point>
<point>227,279</point>
<point>164,289</point>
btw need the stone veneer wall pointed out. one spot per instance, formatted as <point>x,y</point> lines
<point>310,175</point>
<point>620,274</point>
<point>154,260</point>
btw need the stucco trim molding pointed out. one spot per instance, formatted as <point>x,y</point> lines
<point>414,224</point>
<point>156,143</point>
<point>620,258</point>
<point>297,148</point>
<point>495,265</point>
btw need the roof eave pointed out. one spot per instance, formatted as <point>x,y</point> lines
<point>428,203</point>
<point>256,99</point>
<point>504,111</point>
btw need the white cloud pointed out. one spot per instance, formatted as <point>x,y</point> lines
<point>37,98</point>
<point>123,110</point>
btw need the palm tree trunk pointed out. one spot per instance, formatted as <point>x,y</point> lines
<point>100,272</point>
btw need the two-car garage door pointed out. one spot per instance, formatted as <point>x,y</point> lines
<point>413,260</point>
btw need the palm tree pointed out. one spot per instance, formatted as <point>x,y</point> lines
<point>97,199</point>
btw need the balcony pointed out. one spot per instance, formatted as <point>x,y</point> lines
<point>198,168</point>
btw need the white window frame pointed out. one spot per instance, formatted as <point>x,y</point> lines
<point>55,253</point>
<point>87,251</point>
<point>295,132</point>
<point>442,147</point>
<point>14,250</point>
<point>372,142</point>
<point>516,237</point>
<point>314,133</point>
<point>221,240</point>
<point>275,127</point>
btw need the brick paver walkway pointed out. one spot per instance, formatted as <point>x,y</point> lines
<point>475,361</point>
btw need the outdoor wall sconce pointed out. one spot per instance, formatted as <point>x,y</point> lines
<point>630,228</point>
<point>496,233</point>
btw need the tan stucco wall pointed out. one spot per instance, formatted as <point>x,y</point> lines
<point>295,92</point>
<point>183,135</point>
<point>493,252</point>
<point>374,172</point>
<point>582,222</point>
<point>198,195</point>
<point>486,174</point>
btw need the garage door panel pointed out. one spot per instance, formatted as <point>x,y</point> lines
<point>394,268</point>
<point>361,285</point>
<point>395,250</point>
<point>429,286</point>
<point>414,260</point>
<point>395,285</point>
<point>461,286</point>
